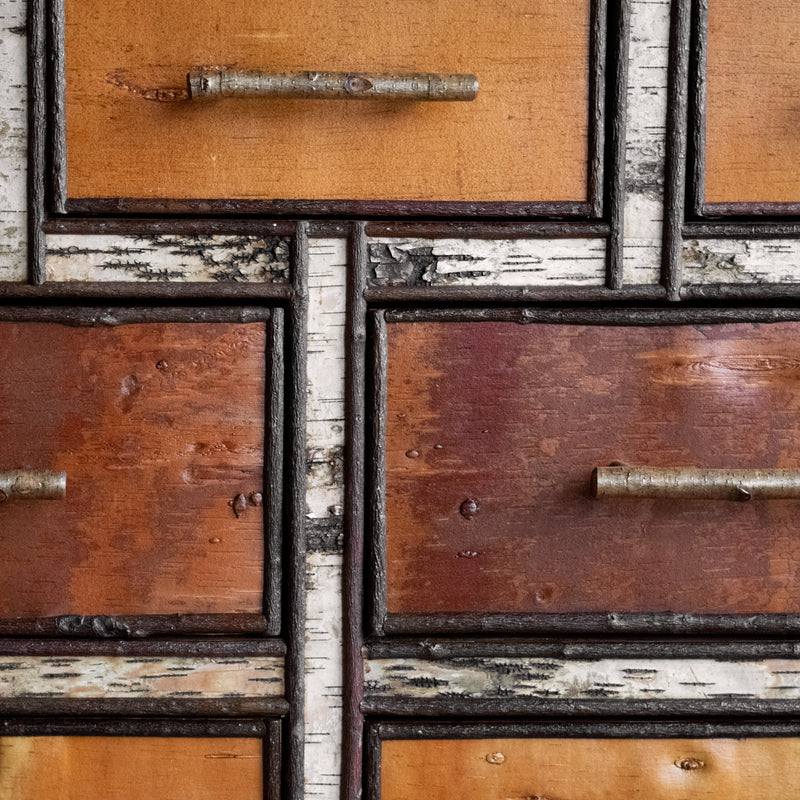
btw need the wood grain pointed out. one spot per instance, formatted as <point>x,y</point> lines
<point>524,138</point>
<point>587,769</point>
<point>126,768</point>
<point>493,430</point>
<point>158,426</point>
<point>752,111</point>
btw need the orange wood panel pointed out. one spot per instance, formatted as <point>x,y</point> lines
<point>589,769</point>
<point>158,426</point>
<point>524,138</point>
<point>123,768</point>
<point>752,113</point>
<point>494,428</point>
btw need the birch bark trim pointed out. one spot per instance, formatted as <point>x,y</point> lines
<point>112,676</point>
<point>481,262</point>
<point>753,261</point>
<point>316,85</point>
<point>666,679</point>
<point>170,258</point>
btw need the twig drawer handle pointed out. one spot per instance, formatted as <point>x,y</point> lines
<point>25,484</point>
<point>697,484</point>
<point>210,83</point>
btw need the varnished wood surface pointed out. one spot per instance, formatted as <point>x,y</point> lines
<point>126,768</point>
<point>524,138</point>
<point>158,426</point>
<point>588,769</point>
<point>493,430</point>
<point>752,113</point>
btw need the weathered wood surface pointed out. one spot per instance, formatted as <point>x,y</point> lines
<point>475,262</point>
<point>127,768</point>
<point>131,677</point>
<point>646,139</point>
<point>493,430</point>
<point>585,769</point>
<point>628,679</point>
<point>709,261</point>
<point>169,258</point>
<point>524,138</point>
<point>13,141</point>
<point>752,146</point>
<point>159,427</point>
<point>327,265</point>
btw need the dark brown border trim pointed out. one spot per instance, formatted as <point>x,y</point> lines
<point>37,138</point>
<point>121,291</point>
<point>133,726</point>
<point>41,705</point>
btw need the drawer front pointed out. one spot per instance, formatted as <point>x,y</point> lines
<point>492,430</point>
<point>752,142</point>
<point>586,769</point>
<point>127,768</point>
<point>524,138</point>
<point>159,427</point>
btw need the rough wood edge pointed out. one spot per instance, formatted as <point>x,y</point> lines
<point>37,141</point>
<point>598,77</point>
<point>46,725</point>
<point>206,647</point>
<point>509,294</point>
<point>676,146</point>
<point>697,108</point>
<point>355,385</point>
<point>129,290</point>
<point>57,110</point>
<point>138,706</point>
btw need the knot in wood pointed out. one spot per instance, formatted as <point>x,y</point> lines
<point>495,758</point>
<point>690,763</point>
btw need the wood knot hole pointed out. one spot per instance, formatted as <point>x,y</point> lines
<point>689,763</point>
<point>469,508</point>
<point>495,758</point>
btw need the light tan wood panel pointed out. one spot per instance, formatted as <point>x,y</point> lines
<point>106,768</point>
<point>524,138</point>
<point>590,769</point>
<point>158,427</point>
<point>753,111</point>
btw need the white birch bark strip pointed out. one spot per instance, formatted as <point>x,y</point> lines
<point>127,676</point>
<point>13,141</point>
<point>324,500</point>
<point>168,258</point>
<point>741,261</point>
<point>646,140</point>
<point>667,679</point>
<point>481,262</point>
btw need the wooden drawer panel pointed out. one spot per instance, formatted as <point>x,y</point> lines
<point>127,768</point>
<point>587,769</point>
<point>753,68</point>
<point>525,137</point>
<point>492,430</point>
<point>159,426</point>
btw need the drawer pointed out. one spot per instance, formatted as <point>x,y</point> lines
<point>167,425</point>
<point>135,759</point>
<point>131,132</point>
<point>551,767</point>
<point>486,434</point>
<point>752,68</point>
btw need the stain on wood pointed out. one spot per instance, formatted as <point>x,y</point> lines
<point>125,768</point>
<point>524,138</point>
<point>585,769</point>
<point>515,418</point>
<point>153,456</point>
<point>752,145</point>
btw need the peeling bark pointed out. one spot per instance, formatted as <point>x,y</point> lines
<point>752,261</point>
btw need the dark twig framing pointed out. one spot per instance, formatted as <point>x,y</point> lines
<point>610,624</point>
<point>681,723</point>
<point>268,622</point>
<point>267,729</point>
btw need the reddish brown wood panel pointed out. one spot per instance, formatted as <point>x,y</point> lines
<point>752,113</point>
<point>493,430</point>
<point>90,768</point>
<point>524,138</point>
<point>588,769</point>
<point>158,426</point>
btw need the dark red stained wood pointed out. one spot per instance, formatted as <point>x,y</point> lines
<point>158,427</point>
<point>516,417</point>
